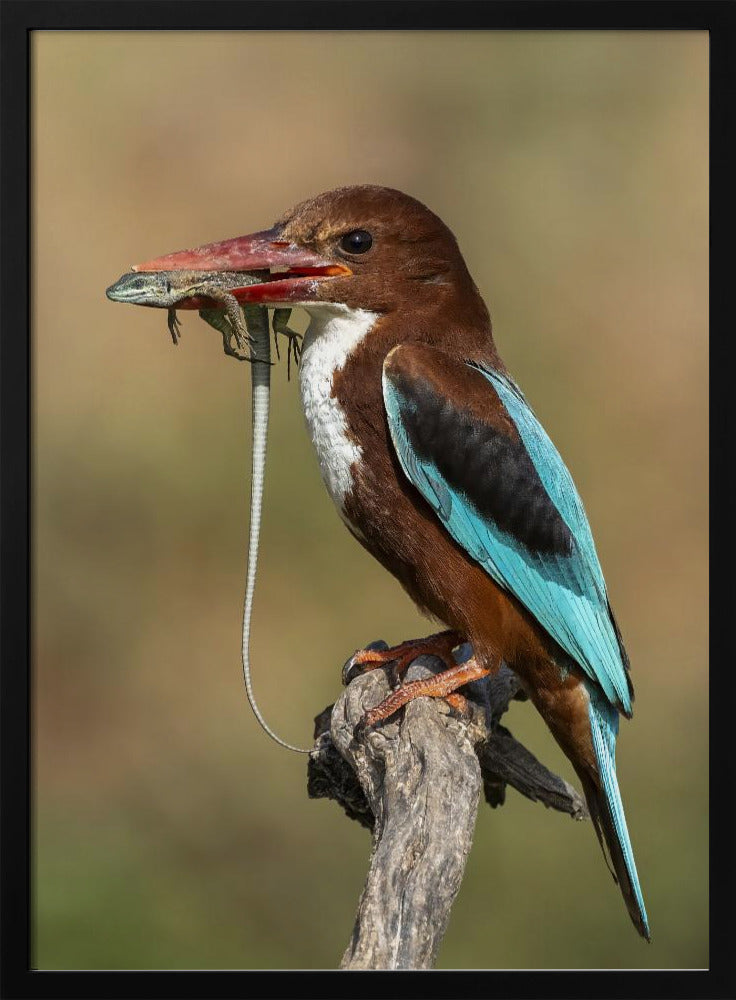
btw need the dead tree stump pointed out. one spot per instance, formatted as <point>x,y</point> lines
<point>415,781</point>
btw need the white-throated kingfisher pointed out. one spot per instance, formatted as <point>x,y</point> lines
<point>441,470</point>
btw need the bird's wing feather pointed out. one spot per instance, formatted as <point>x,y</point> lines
<point>469,442</point>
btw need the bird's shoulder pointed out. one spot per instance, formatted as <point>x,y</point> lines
<point>453,421</point>
<point>440,379</point>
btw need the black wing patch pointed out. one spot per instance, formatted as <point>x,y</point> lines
<point>491,469</point>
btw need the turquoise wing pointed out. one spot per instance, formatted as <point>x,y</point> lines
<point>508,499</point>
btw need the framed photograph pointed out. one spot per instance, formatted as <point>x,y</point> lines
<point>566,149</point>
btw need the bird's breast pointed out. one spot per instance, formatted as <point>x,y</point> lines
<point>333,334</point>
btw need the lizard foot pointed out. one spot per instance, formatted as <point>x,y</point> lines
<point>174,324</point>
<point>281,326</point>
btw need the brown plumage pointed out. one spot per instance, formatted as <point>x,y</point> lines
<point>390,296</point>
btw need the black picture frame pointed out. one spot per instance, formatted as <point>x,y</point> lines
<point>18,21</point>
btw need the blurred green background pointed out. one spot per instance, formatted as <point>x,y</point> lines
<point>169,831</point>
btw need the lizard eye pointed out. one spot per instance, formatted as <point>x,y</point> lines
<point>359,241</point>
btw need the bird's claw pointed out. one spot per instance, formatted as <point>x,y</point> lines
<point>399,658</point>
<point>459,707</point>
<point>354,667</point>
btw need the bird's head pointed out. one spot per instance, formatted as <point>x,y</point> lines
<point>364,247</point>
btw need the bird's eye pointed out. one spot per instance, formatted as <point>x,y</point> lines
<point>359,241</point>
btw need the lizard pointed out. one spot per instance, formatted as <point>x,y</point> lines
<point>243,328</point>
<point>209,292</point>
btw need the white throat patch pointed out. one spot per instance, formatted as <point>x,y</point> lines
<point>334,332</point>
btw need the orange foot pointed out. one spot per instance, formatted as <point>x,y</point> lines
<point>442,685</point>
<point>378,654</point>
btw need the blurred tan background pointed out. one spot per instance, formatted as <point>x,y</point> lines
<point>169,831</point>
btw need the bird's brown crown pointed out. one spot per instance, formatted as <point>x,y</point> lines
<point>399,252</point>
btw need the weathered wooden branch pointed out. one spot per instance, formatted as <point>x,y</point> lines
<point>415,782</point>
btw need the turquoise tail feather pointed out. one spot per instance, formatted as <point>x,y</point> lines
<point>606,807</point>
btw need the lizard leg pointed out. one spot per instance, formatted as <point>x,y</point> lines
<point>217,319</point>
<point>174,326</point>
<point>235,327</point>
<point>280,325</point>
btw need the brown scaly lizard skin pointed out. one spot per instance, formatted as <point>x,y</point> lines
<point>211,293</point>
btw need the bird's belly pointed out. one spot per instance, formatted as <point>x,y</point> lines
<point>403,533</point>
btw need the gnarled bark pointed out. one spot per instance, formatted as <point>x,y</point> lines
<point>415,781</point>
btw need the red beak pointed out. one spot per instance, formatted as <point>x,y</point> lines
<point>298,269</point>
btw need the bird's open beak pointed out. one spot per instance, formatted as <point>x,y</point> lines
<point>291,273</point>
